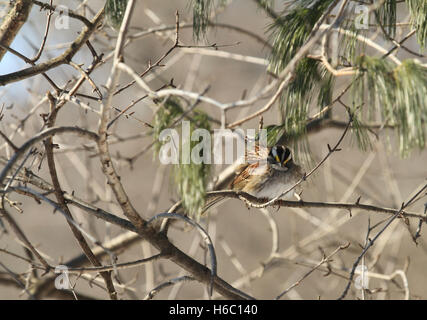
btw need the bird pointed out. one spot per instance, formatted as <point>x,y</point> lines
<point>267,174</point>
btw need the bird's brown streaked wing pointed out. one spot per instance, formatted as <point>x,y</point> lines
<point>240,177</point>
<point>240,181</point>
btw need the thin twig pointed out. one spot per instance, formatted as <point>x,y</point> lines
<point>371,242</point>
<point>205,236</point>
<point>324,260</point>
<point>49,16</point>
<point>166,284</point>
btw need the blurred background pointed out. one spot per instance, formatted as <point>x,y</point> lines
<point>244,239</point>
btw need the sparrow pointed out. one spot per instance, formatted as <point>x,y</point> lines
<point>267,174</point>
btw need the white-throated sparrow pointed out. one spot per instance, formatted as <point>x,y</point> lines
<point>268,173</point>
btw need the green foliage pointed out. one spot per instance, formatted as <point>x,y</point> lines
<point>411,105</point>
<point>350,47</point>
<point>290,31</point>
<point>360,131</point>
<point>266,5</point>
<point>114,12</point>
<point>418,11</point>
<point>191,179</point>
<point>201,13</point>
<point>296,99</point>
<point>274,133</point>
<point>325,81</point>
<point>164,118</point>
<point>399,94</point>
<point>386,14</point>
<point>312,83</point>
<point>202,10</point>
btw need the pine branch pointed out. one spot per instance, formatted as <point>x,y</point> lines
<point>398,93</point>
<point>418,11</point>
